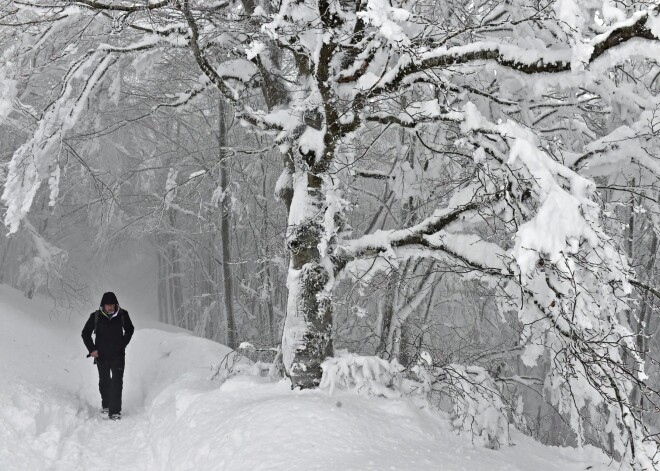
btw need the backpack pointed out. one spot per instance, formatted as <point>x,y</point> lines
<point>96,319</point>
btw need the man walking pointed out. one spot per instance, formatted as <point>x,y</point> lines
<point>113,329</point>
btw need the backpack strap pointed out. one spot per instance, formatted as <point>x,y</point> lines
<point>96,318</point>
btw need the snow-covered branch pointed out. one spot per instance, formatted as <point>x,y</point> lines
<point>124,6</point>
<point>640,26</point>
<point>425,234</point>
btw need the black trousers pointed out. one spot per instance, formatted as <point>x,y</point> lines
<point>111,382</point>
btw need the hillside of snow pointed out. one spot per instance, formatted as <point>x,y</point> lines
<point>176,418</point>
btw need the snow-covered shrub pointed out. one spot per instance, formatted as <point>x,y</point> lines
<point>238,363</point>
<point>365,374</point>
<point>476,403</point>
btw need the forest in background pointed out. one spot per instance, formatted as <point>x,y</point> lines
<point>136,139</point>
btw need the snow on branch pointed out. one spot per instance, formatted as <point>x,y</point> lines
<point>606,156</point>
<point>373,174</point>
<point>201,57</point>
<point>589,375</point>
<point>124,6</point>
<point>364,374</point>
<point>186,97</point>
<point>36,159</point>
<point>642,25</point>
<point>477,404</point>
<point>45,261</point>
<point>383,242</point>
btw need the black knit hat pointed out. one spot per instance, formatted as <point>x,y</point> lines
<point>109,298</point>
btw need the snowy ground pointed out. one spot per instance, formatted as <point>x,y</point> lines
<point>177,419</point>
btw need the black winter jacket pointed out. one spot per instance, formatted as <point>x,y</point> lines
<point>111,339</point>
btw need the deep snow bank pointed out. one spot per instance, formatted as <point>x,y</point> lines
<point>175,418</point>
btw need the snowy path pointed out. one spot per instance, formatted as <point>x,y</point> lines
<point>94,439</point>
<point>46,396</point>
<point>176,419</point>
<point>49,400</point>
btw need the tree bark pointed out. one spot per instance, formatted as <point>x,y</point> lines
<point>176,291</point>
<point>643,323</point>
<point>267,281</point>
<point>212,327</point>
<point>227,295</point>
<point>630,236</point>
<point>307,336</point>
<point>387,314</point>
<point>162,290</point>
<point>3,270</point>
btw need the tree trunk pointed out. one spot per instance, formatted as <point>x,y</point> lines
<point>162,290</point>
<point>267,281</point>
<point>171,308</point>
<point>311,235</point>
<point>176,292</point>
<point>211,288</point>
<point>227,295</point>
<point>3,269</point>
<point>383,349</point>
<point>307,336</point>
<point>630,236</point>
<point>643,324</point>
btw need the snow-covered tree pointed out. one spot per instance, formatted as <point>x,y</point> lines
<point>540,103</point>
